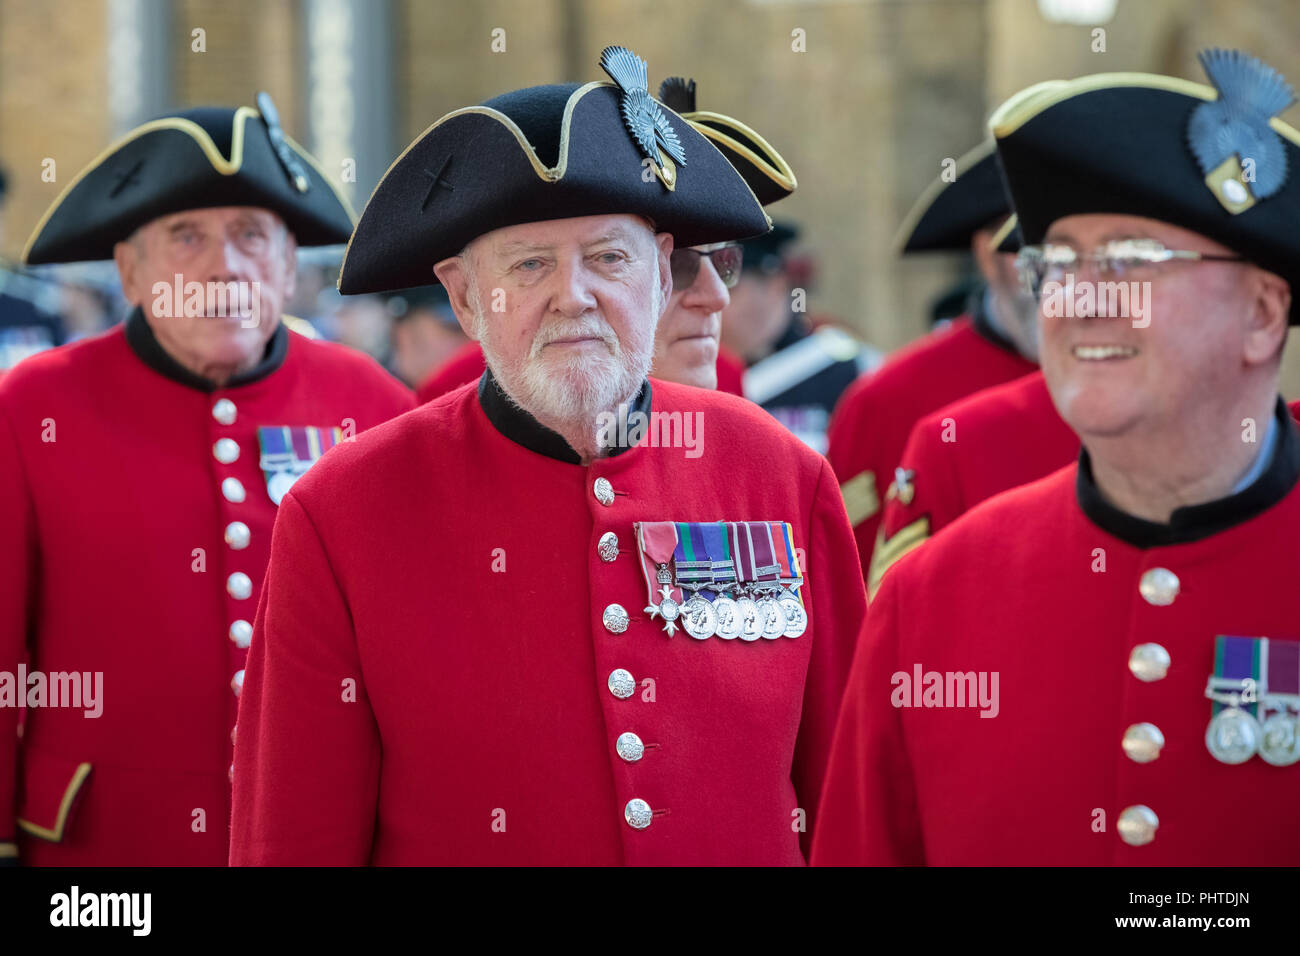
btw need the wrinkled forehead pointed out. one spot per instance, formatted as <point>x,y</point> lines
<point>556,234</point>
<point>214,218</point>
<point>1087,230</point>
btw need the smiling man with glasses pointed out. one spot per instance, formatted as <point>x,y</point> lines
<point>1138,608</point>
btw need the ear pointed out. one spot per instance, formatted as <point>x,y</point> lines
<point>985,255</point>
<point>664,249</point>
<point>1266,326</point>
<point>455,278</point>
<point>126,255</point>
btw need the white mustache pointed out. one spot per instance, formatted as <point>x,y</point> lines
<point>582,328</point>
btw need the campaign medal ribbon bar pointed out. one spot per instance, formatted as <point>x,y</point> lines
<point>1234,734</point>
<point>695,572</point>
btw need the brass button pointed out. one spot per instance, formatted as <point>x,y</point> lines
<point>638,814</point>
<point>224,411</point>
<point>629,747</point>
<point>1143,742</point>
<point>621,684</point>
<point>607,546</point>
<point>1149,662</point>
<point>1159,586</point>
<point>1137,825</point>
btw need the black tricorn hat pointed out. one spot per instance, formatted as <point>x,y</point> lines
<point>955,205</point>
<point>766,171</point>
<point>1163,148</point>
<point>541,153</point>
<point>1007,238</point>
<point>194,159</point>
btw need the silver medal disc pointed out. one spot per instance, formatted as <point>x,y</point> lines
<point>699,618</point>
<point>669,609</point>
<point>796,619</point>
<point>1280,740</point>
<point>772,616</point>
<point>729,619</point>
<point>751,624</point>
<point>1233,736</point>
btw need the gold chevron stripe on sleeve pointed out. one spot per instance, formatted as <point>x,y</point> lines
<point>860,498</point>
<point>886,553</point>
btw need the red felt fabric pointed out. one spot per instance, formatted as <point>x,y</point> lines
<point>873,419</point>
<point>453,576</point>
<point>1011,587</point>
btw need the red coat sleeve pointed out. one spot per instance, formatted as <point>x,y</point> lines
<point>307,752</point>
<point>17,559</point>
<point>868,813</point>
<point>932,500</point>
<point>838,602</point>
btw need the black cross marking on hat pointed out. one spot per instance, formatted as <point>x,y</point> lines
<point>127,178</point>
<point>437,180</point>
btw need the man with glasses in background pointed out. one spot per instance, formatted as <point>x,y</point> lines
<point>1129,624</point>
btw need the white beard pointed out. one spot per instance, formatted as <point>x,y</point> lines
<point>568,393</point>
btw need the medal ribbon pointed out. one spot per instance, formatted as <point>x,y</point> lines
<point>791,577</point>
<point>716,542</point>
<point>1283,675</point>
<point>690,568</point>
<point>1235,660</point>
<point>766,567</point>
<point>657,541</point>
<point>742,552</point>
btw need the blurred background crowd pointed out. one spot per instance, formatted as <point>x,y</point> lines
<point>864,98</point>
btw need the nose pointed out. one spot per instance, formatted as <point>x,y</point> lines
<point>230,264</point>
<point>707,293</point>
<point>572,295</point>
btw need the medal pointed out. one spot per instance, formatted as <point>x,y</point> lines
<point>288,451</point>
<point>772,617</point>
<point>657,539</point>
<point>791,580</point>
<point>742,554</point>
<point>1233,736</point>
<point>718,544</point>
<point>1279,742</point>
<point>694,570</point>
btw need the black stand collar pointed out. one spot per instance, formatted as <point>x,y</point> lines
<point>1195,522</point>
<point>148,350</point>
<point>523,429</point>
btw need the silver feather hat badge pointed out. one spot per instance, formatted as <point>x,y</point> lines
<point>648,124</point>
<point>1242,157</point>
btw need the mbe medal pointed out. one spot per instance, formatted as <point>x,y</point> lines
<point>658,539</point>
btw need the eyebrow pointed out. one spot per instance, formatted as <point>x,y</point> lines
<point>519,246</point>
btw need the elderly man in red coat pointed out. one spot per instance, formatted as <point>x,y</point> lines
<point>519,628</point>
<point>140,473</point>
<point>1103,667</point>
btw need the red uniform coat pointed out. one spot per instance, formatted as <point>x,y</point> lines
<point>1017,587</point>
<point>973,449</point>
<point>428,681</point>
<point>109,483</point>
<point>871,424</point>
<point>467,364</point>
